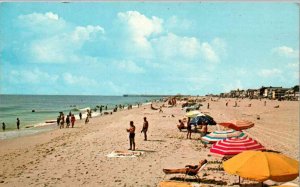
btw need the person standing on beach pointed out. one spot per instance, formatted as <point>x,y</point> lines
<point>58,120</point>
<point>62,121</point>
<point>207,105</point>
<point>80,116</point>
<point>3,126</point>
<point>73,120</point>
<point>18,123</point>
<point>145,128</point>
<point>68,121</point>
<point>189,129</point>
<point>86,119</point>
<point>131,131</point>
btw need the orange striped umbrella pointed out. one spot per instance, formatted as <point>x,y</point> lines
<point>238,125</point>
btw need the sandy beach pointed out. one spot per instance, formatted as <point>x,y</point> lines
<point>77,156</point>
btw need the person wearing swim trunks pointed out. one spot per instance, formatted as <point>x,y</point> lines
<point>131,131</point>
<point>189,129</point>
<point>145,128</point>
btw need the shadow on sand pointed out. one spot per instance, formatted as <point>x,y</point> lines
<point>202,180</point>
<point>156,140</point>
<point>147,151</point>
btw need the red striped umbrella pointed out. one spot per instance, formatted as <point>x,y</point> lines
<point>238,125</point>
<point>233,146</point>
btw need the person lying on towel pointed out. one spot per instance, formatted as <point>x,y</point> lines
<point>189,169</point>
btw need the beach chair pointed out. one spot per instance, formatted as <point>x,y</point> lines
<point>186,172</point>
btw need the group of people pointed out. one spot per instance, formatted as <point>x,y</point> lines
<point>70,119</point>
<point>172,101</point>
<point>131,131</point>
<point>18,125</point>
<point>202,126</point>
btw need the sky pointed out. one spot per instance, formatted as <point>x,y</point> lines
<point>115,48</point>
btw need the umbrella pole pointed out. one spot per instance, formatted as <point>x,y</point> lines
<point>239,181</point>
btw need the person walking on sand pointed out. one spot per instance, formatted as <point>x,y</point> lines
<point>189,129</point>
<point>73,120</point>
<point>18,123</point>
<point>131,131</point>
<point>80,116</point>
<point>145,128</point>
<point>207,105</point>
<point>3,126</point>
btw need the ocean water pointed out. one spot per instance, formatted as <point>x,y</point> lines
<point>47,107</point>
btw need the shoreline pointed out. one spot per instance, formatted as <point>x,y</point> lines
<point>81,152</point>
<point>44,126</point>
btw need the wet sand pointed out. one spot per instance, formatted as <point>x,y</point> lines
<point>77,157</point>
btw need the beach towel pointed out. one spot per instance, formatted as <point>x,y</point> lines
<point>125,154</point>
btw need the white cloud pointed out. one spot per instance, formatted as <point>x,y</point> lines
<point>209,53</point>
<point>34,76</point>
<point>286,51</point>
<point>86,33</point>
<point>129,66</point>
<point>63,48</point>
<point>47,23</point>
<point>171,45</point>
<point>270,72</point>
<point>140,28</point>
<point>78,80</point>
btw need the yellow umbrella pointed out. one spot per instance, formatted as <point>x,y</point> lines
<point>193,113</point>
<point>261,166</point>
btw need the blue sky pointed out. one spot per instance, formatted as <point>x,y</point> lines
<point>103,48</point>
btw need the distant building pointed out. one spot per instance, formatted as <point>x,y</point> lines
<point>267,92</point>
<point>252,93</point>
<point>278,93</point>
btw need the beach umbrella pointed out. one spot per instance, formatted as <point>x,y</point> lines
<point>233,146</point>
<point>238,124</point>
<point>203,118</point>
<point>261,166</point>
<point>220,135</point>
<point>193,113</point>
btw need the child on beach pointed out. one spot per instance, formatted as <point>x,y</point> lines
<point>131,131</point>
<point>181,125</point>
<point>18,123</point>
<point>3,126</point>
